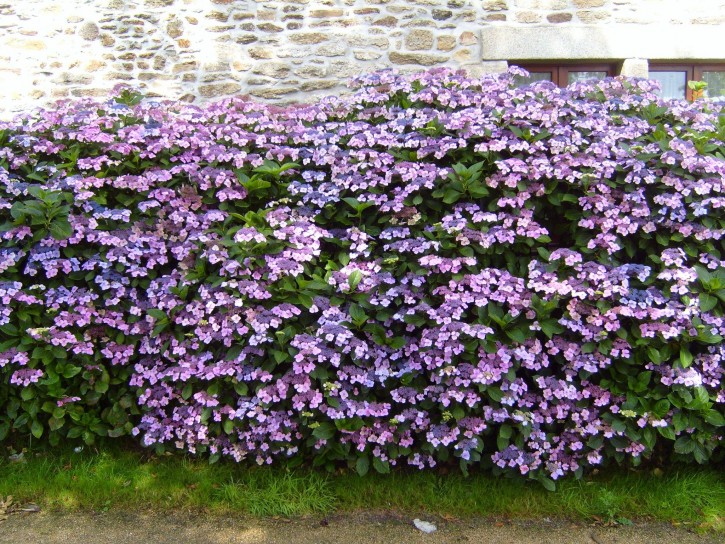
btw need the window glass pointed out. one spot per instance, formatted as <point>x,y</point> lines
<point>583,76</point>
<point>564,74</point>
<point>673,84</point>
<point>520,81</point>
<point>715,84</point>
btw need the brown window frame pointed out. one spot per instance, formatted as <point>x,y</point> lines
<point>694,71</point>
<point>689,69</point>
<point>560,72</point>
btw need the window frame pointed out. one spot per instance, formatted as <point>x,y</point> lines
<point>694,71</point>
<point>560,71</point>
<point>689,69</point>
<point>707,67</point>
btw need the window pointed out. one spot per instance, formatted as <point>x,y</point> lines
<point>564,74</point>
<point>715,79</point>
<point>673,79</point>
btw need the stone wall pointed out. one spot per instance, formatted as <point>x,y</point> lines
<point>289,50</point>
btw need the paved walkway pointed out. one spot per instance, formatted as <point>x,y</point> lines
<point>191,528</point>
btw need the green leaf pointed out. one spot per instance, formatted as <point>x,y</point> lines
<point>704,275</point>
<point>351,424</point>
<point>61,229</point>
<point>700,454</point>
<point>157,314</point>
<point>55,423</point>
<point>661,408</point>
<point>619,426</point>
<point>667,432</point>
<point>116,432</point>
<point>680,421</point>
<point>551,327</point>
<point>280,356</point>
<point>684,445</point>
<point>306,300</point>
<point>707,302</point>
<point>186,392</point>
<point>71,370</point>
<point>451,196</point>
<point>324,431</point>
<point>18,210</point>
<point>255,184</point>
<point>358,314</point>
<point>685,357</point>
<point>713,417</point>
<point>517,335</point>
<point>288,166</point>
<point>701,398</point>
<point>654,355</point>
<point>709,338</point>
<point>494,393</point>
<point>548,483</point>
<point>267,167</point>
<point>27,393</point>
<point>479,191</point>
<point>383,467</point>
<point>101,387</point>
<point>354,279</point>
<point>643,379</point>
<point>36,428</point>
<point>10,330</point>
<point>233,352</point>
<point>406,379</point>
<point>352,202</point>
<point>413,319</point>
<point>362,466</point>
<point>505,431</point>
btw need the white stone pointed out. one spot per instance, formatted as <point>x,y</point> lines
<point>609,41</point>
<point>43,36</point>
<point>486,67</point>
<point>424,526</point>
<point>635,68</point>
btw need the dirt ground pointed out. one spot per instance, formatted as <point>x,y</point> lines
<point>189,528</point>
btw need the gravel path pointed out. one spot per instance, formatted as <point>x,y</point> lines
<point>189,528</point>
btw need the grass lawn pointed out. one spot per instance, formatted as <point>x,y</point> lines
<point>122,479</point>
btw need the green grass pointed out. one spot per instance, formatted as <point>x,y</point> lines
<point>128,480</point>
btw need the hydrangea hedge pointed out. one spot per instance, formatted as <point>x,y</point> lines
<point>434,269</point>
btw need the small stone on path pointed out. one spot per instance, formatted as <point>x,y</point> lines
<point>424,526</point>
